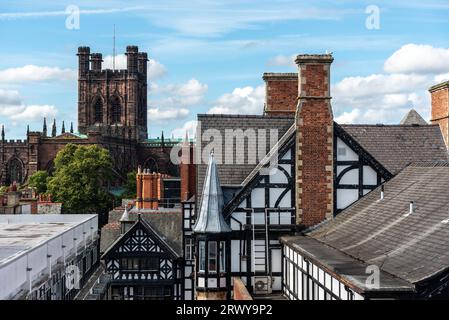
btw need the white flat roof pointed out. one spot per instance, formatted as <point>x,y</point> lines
<point>21,233</point>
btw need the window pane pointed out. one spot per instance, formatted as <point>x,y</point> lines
<point>212,256</point>
<point>222,256</point>
<point>202,256</point>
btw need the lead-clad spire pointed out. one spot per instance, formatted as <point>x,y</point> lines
<point>210,218</point>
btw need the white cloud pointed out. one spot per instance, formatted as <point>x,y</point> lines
<point>155,69</point>
<point>157,114</point>
<point>9,97</point>
<point>348,116</point>
<point>189,127</point>
<point>385,98</point>
<point>199,18</point>
<point>246,100</point>
<point>422,59</point>
<point>34,112</point>
<point>282,61</point>
<point>12,107</point>
<point>185,94</point>
<point>32,73</point>
<point>38,14</point>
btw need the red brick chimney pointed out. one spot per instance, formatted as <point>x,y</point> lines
<point>150,189</point>
<point>440,108</point>
<point>281,93</point>
<point>187,171</point>
<point>314,141</point>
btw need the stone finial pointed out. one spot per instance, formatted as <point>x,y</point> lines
<point>53,129</point>
<point>44,128</point>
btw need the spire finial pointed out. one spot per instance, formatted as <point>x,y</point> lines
<point>53,129</point>
<point>71,127</point>
<point>44,128</point>
<point>28,129</point>
<point>3,132</point>
<point>63,127</point>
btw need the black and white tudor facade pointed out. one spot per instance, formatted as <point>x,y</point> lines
<point>142,263</point>
<point>261,208</point>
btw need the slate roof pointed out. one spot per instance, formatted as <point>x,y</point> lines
<point>396,146</point>
<point>234,174</point>
<point>413,117</point>
<point>346,269</point>
<point>167,224</point>
<point>413,247</point>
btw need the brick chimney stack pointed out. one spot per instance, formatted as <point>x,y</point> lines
<point>281,93</point>
<point>187,170</point>
<point>150,189</point>
<point>314,144</point>
<point>440,108</point>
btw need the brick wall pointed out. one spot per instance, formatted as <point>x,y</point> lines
<point>440,108</point>
<point>149,189</point>
<point>187,170</point>
<point>281,92</point>
<point>314,154</point>
<point>239,290</point>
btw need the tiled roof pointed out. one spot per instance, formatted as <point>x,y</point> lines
<point>396,146</point>
<point>414,246</point>
<point>413,117</point>
<point>234,174</point>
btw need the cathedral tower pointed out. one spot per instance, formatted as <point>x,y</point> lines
<point>113,98</point>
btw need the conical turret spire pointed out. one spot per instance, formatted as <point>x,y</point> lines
<point>125,215</point>
<point>210,218</point>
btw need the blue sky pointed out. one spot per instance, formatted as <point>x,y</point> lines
<point>209,56</point>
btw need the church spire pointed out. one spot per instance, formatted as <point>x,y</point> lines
<point>210,218</point>
<point>162,139</point>
<point>71,127</point>
<point>44,128</point>
<point>28,129</point>
<point>3,133</point>
<point>53,129</point>
<point>63,127</point>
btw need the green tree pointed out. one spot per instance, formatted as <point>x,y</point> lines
<point>130,186</point>
<point>38,180</point>
<point>79,180</point>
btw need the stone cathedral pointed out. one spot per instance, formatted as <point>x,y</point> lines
<point>112,112</point>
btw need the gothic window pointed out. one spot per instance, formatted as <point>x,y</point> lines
<point>116,110</point>
<point>151,164</point>
<point>15,171</point>
<point>98,111</point>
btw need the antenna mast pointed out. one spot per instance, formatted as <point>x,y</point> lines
<point>113,51</point>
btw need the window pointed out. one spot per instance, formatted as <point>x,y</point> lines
<point>98,109</point>
<point>116,110</point>
<point>202,255</point>
<point>341,151</point>
<point>212,259</point>
<point>140,264</point>
<point>149,264</point>
<point>189,249</point>
<point>15,171</point>
<point>222,256</point>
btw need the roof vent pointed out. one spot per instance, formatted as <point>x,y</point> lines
<point>411,207</point>
<point>382,192</point>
